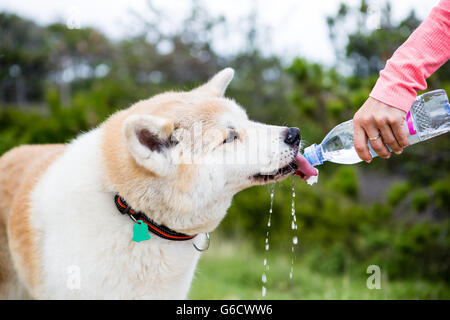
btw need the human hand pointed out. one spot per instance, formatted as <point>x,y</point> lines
<point>381,125</point>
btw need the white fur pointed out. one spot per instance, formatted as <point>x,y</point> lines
<point>83,230</point>
<point>81,234</point>
<point>219,83</point>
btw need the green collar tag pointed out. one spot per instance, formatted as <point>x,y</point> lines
<point>140,231</point>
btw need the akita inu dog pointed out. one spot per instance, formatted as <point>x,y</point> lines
<point>173,161</point>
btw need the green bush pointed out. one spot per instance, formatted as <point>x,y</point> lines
<point>397,192</point>
<point>441,190</point>
<point>420,200</point>
<point>336,107</point>
<point>345,182</point>
<point>337,231</point>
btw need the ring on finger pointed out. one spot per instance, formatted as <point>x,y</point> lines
<point>375,138</point>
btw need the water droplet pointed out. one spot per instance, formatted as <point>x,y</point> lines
<point>264,277</point>
<point>293,227</point>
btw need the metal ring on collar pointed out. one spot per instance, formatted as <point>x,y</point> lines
<point>207,242</point>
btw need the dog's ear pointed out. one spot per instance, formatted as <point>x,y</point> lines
<point>218,84</point>
<point>148,140</point>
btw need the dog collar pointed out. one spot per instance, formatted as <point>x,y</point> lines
<point>158,229</point>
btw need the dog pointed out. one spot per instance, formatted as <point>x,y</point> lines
<point>173,161</point>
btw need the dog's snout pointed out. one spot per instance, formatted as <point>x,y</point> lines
<point>292,136</point>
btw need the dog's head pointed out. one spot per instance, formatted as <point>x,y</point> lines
<point>181,156</point>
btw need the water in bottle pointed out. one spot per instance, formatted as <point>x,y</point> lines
<point>429,117</point>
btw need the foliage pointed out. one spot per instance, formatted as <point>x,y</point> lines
<point>232,270</point>
<point>56,82</point>
<point>397,192</point>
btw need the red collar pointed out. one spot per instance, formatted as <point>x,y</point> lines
<point>158,229</point>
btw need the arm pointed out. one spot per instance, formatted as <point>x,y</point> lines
<point>427,48</point>
<point>406,72</point>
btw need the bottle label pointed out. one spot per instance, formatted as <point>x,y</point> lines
<point>410,124</point>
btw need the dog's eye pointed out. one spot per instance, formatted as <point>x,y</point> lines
<point>233,135</point>
<point>173,140</point>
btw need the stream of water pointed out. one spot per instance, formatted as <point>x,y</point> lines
<point>294,229</point>
<point>266,264</point>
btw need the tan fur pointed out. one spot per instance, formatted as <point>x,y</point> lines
<point>186,174</point>
<point>118,162</point>
<point>162,156</point>
<point>20,170</point>
<point>120,165</point>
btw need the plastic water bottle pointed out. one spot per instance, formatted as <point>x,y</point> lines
<point>429,117</point>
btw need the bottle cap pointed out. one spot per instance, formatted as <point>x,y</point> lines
<point>312,155</point>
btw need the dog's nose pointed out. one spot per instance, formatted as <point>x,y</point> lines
<point>292,136</point>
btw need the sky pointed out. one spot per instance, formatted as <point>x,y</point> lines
<point>294,27</point>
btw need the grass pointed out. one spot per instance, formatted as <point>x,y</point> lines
<point>231,270</point>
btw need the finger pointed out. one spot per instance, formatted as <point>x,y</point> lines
<point>377,145</point>
<point>360,143</point>
<point>388,138</point>
<point>398,128</point>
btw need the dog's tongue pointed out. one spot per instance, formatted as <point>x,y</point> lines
<point>305,169</point>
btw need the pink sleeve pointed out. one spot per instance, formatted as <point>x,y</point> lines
<point>405,73</point>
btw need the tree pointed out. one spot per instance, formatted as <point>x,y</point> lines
<point>23,59</point>
<point>365,47</point>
